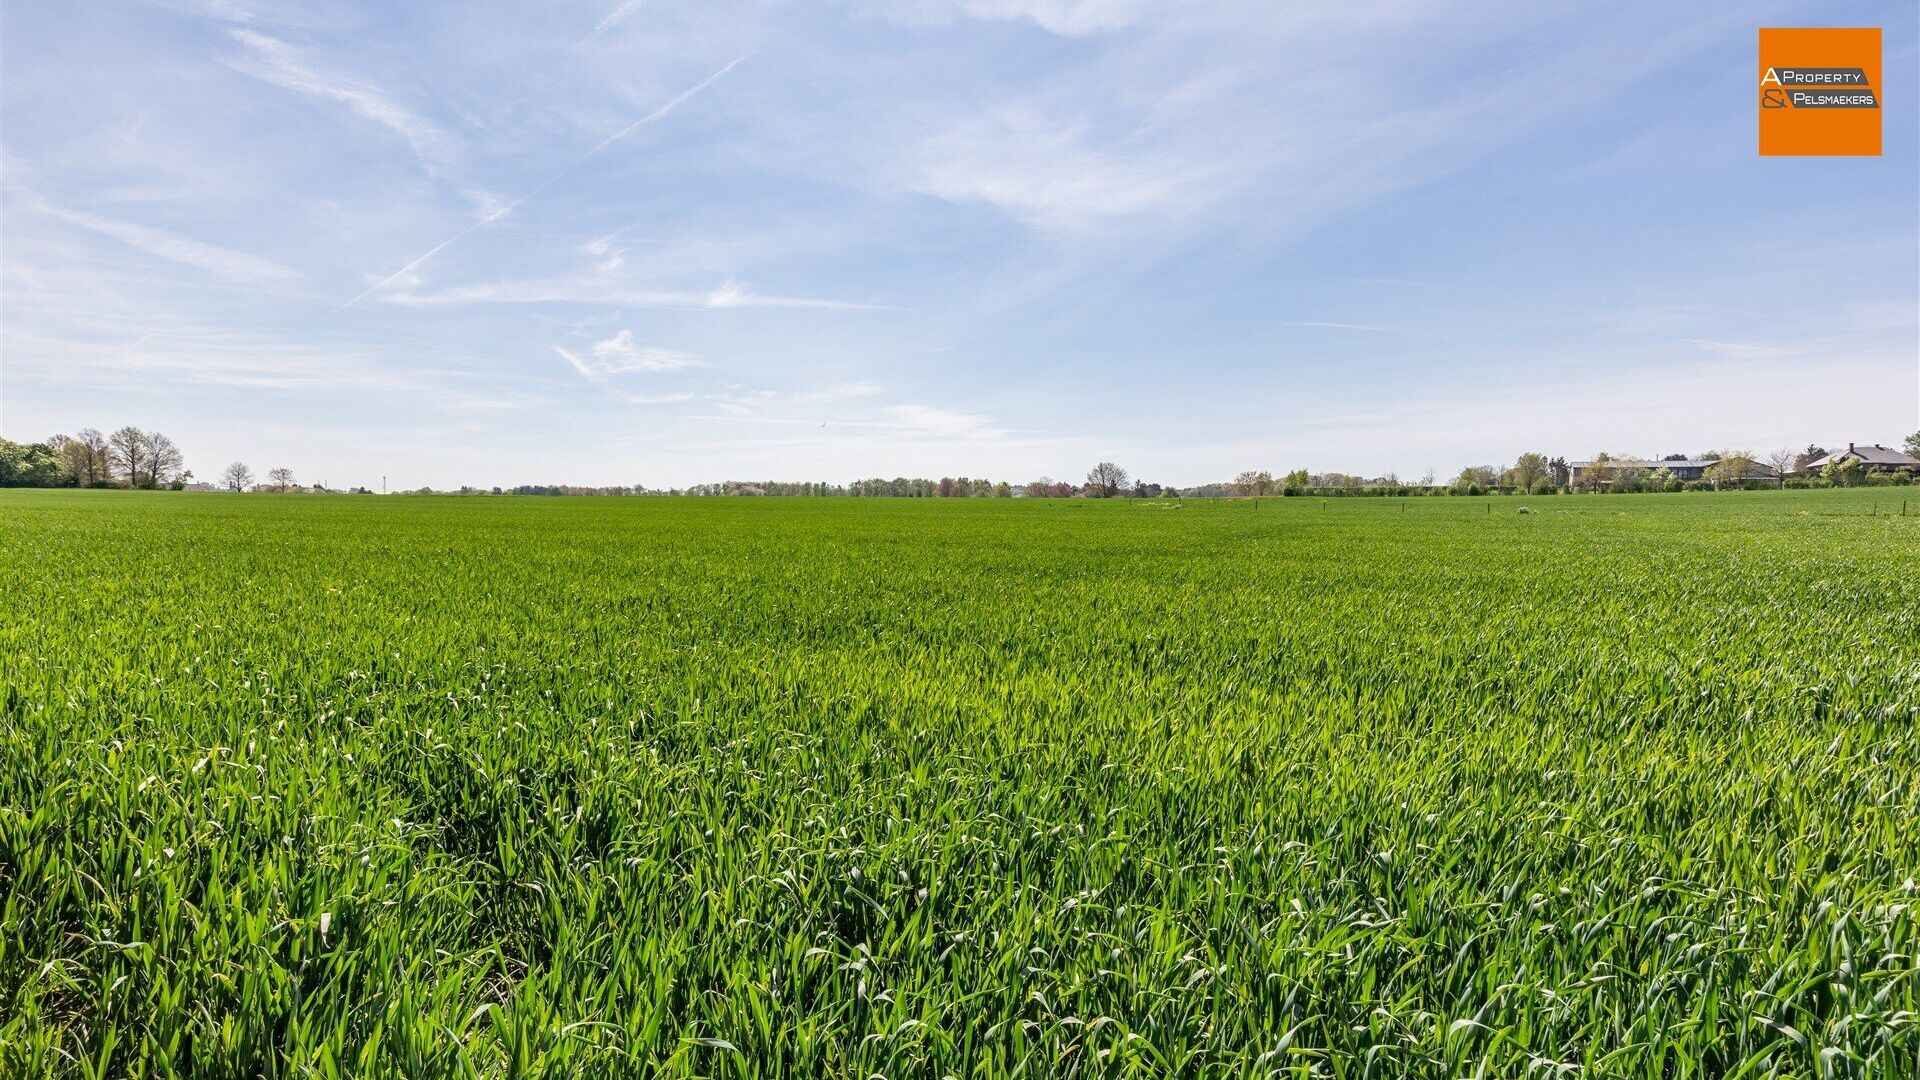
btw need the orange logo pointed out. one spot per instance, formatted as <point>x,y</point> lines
<point>1819,92</point>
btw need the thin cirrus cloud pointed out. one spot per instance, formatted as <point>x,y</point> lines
<point>216,260</point>
<point>274,61</point>
<point>846,391</point>
<point>927,420</point>
<point>907,421</point>
<point>728,294</point>
<point>653,399</point>
<point>1052,176</point>
<point>621,355</point>
<point>1188,130</point>
<point>1364,327</point>
<point>1737,350</point>
<point>1067,17</point>
<point>501,211</point>
<point>620,13</point>
<point>215,357</point>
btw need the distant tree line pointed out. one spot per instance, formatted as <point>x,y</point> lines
<point>564,489</point>
<point>128,458</point>
<point>768,487</point>
<point>1537,474</point>
<point>132,458</point>
<point>1103,481</point>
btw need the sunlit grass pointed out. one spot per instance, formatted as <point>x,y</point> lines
<point>1624,786</point>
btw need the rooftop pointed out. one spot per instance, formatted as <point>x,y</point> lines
<point>1872,455</point>
<point>1644,463</point>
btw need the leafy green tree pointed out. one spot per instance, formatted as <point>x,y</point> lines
<point>84,456</point>
<point>31,465</point>
<point>1732,468</point>
<point>1598,472</point>
<point>1528,470</point>
<point>1849,473</point>
<point>1474,479</point>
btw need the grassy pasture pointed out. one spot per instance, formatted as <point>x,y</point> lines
<point>351,786</point>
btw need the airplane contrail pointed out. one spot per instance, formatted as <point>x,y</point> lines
<point>656,115</point>
<point>614,18</point>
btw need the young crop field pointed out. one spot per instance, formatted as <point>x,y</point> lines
<point>320,786</point>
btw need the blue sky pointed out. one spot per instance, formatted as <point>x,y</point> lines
<point>661,242</point>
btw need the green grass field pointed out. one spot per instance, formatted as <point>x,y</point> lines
<point>335,786</point>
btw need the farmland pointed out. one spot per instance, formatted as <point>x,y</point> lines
<point>333,786</point>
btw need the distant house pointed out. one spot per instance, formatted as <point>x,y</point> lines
<point>1875,458</point>
<point>1684,470</point>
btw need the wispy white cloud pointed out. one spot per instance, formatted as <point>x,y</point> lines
<point>618,15</point>
<point>274,61</point>
<point>1053,176</point>
<point>656,115</point>
<point>735,294</point>
<point>943,423</point>
<point>621,355</point>
<point>904,421</point>
<point>1147,142</point>
<point>739,401</point>
<point>605,255</point>
<point>653,117</point>
<point>653,399</point>
<point>1408,282</point>
<point>1068,17</point>
<point>1369,327</point>
<point>1734,350</point>
<point>595,290</point>
<point>846,391</point>
<point>220,261</point>
<point>184,356</point>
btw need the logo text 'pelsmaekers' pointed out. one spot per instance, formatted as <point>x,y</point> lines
<point>1816,88</point>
